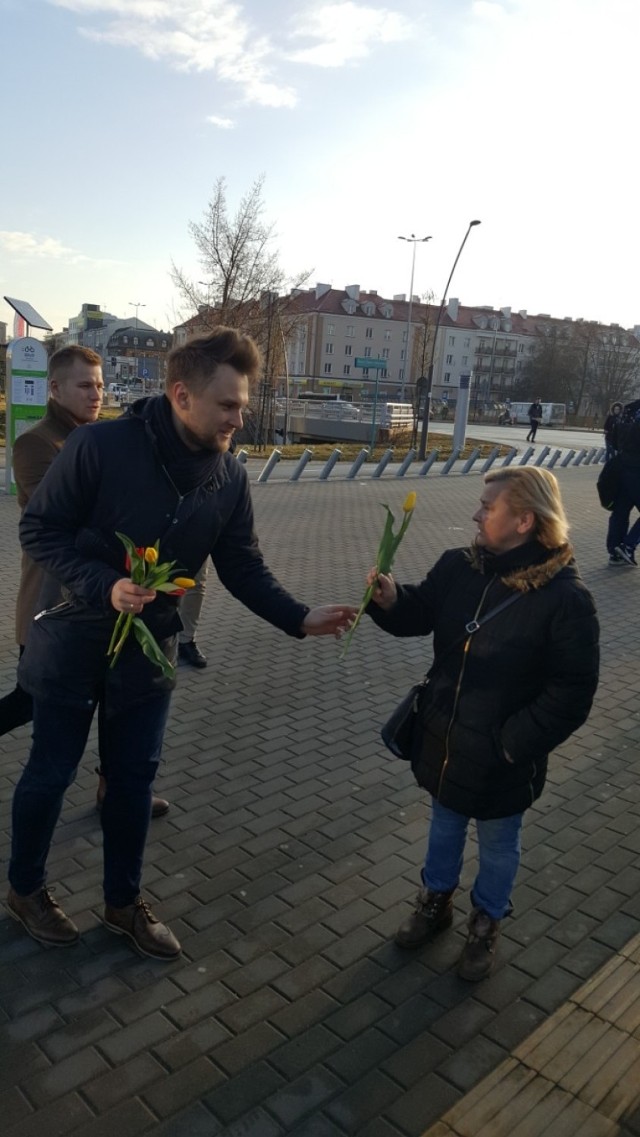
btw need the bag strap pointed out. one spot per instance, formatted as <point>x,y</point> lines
<point>471,628</point>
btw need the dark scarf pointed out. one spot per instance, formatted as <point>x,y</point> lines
<point>186,468</point>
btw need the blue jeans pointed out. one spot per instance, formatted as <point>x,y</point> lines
<point>130,742</point>
<point>499,855</point>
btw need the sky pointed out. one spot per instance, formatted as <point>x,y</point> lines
<point>369,120</point>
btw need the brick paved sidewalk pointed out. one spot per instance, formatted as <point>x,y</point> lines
<point>287,860</point>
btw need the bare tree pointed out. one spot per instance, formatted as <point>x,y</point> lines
<point>242,286</point>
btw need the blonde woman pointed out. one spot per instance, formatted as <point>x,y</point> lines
<point>500,696</point>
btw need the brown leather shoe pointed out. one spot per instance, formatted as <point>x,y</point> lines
<point>138,923</point>
<point>42,917</point>
<point>159,805</point>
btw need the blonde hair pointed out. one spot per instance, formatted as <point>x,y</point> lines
<point>530,488</point>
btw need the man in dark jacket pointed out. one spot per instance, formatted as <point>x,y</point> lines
<point>161,474</point>
<point>625,440</point>
<point>499,698</point>
<point>535,418</point>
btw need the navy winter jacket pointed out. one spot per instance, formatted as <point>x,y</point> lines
<point>110,478</point>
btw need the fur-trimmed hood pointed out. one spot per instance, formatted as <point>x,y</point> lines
<point>524,569</point>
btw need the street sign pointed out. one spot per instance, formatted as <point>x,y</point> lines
<point>377,364</point>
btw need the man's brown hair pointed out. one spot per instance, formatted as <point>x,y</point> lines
<point>62,361</point>
<point>195,362</point>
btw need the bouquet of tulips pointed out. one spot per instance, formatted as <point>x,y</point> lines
<point>387,550</point>
<point>143,566</point>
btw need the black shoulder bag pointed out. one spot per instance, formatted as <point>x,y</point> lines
<point>398,732</point>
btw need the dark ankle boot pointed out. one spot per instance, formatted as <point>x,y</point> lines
<point>433,912</point>
<point>479,954</point>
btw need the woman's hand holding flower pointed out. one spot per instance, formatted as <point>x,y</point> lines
<point>384,592</point>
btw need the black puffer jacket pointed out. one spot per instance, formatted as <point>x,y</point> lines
<point>111,477</point>
<point>519,687</point>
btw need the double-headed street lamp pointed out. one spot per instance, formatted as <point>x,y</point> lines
<point>406,373</point>
<point>424,436</point>
<point>136,304</point>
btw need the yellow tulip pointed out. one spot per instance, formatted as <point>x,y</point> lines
<point>183,582</point>
<point>410,502</point>
<point>151,555</point>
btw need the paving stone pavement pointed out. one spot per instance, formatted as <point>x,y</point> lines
<point>287,860</point>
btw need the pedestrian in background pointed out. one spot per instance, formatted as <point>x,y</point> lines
<point>535,418</point>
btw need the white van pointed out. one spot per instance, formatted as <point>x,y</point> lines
<point>115,391</point>
<point>553,414</point>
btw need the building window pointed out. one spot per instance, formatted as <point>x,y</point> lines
<point>125,339</point>
<point>465,360</point>
<point>447,376</point>
<point>520,347</point>
<point>467,342</point>
<point>327,368</point>
<point>346,370</point>
<point>385,353</point>
<point>401,374</point>
<point>384,374</point>
<point>452,340</point>
<point>402,353</point>
<point>449,359</point>
<point>365,372</point>
<point>331,329</point>
<point>328,347</point>
<point>135,340</point>
<point>367,353</point>
<point>149,343</point>
<point>387,334</point>
<point>404,336</point>
<point>348,349</point>
<point>368,333</point>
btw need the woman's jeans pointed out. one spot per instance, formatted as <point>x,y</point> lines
<point>130,742</point>
<point>499,855</point>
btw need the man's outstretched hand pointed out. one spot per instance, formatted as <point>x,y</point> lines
<point>328,620</point>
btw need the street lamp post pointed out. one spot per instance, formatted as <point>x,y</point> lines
<point>406,374</point>
<point>424,436</point>
<point>137,304</point>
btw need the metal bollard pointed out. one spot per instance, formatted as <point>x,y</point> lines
<point>470,460</point>
<point>329,464</point>
<point>242,456</point>
<point>553,459</point>
<point>542,455</point>
<point>400,473</point>
<point>490,460</point>
<point>455,454</point>
<point>424,469</point>
<point>382,464</point>
<point>272,462</point>
<point>567,458</point>
<point>509,458</point>
<point>590,456</point>
<point>601,455</point>
<point>526,456</point>
<point>300,464</point>
<point>579,456</point>
<point>362,457</point>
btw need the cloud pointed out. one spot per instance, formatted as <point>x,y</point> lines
<point>20,244</point>
<point>346,31</point>
<point>25,246</point>
<point>190,35</point>
<point>223,123</point>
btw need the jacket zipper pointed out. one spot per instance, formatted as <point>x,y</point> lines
<point>465,652</point>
